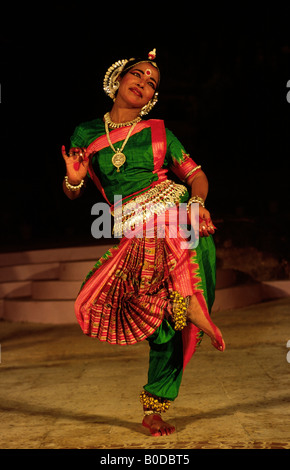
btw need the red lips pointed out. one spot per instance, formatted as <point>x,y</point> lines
<point>136,91</point>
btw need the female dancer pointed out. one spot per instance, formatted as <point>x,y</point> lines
<point>150,286</point>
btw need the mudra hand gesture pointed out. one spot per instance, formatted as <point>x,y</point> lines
<point>202,220</point>
<point>77,163</point>
<point>206,226</point>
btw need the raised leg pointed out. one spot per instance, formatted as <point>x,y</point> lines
<point>201,319</point>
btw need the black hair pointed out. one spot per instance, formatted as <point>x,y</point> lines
<point>132,62</point>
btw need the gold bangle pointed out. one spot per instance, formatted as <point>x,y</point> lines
<point>71,187</point>
<point>195,199</point>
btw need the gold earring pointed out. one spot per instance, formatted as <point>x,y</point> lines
<point>147,108</point>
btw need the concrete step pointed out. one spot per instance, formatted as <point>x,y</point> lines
<point>230,277</point>
<point>247,294</point>
<point>15,289</point>
<point>38,311</point>
<point>68,264</point>
<point>55,255</point>
<point>29,272</point>
<point>75,271</point>
<point>66,271</point>
<point>238,296</point>
<point>57,311</point>
<point>41,286</point>
<point>55,290</point>
<point>276,289</point>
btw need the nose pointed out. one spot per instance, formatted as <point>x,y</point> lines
<point>140,83</point>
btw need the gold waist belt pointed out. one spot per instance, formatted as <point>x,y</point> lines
<point>142,208</point>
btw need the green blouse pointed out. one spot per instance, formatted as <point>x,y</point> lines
<point>137,172</point>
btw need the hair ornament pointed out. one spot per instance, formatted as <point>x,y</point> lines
<point>152,55</point>
<point>111,82</point>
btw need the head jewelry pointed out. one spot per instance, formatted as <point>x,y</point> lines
<point>111,80</point>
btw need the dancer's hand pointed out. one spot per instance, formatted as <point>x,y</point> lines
<point>206,226</point>
<point>77,163</point>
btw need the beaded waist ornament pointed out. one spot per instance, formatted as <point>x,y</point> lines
<point>142,208</point>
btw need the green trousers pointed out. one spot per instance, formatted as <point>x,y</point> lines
<point>166,348</point>
<point>165,362</point>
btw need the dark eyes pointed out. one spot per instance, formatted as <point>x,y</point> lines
<point>138,74</point>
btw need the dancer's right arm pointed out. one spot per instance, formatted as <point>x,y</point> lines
<point>76,169</point>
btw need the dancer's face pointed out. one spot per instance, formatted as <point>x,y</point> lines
<point>138,86</point>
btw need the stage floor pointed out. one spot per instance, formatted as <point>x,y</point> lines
<point>62,390</point>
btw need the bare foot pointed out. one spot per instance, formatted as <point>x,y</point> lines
<point>203,321</point>
<point>157,426</point>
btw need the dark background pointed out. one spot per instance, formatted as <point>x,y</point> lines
<point>224,74</point>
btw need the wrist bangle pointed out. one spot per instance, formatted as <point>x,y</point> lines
<point>71,187</point>
<point>195,199</point>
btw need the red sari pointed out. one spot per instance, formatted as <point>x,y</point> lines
<point>125,298</point>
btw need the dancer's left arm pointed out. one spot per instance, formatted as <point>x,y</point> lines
<point>199,187</point>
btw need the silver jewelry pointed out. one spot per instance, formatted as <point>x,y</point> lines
<point>117,125</point>
<point>147,108</point>
<point>151,412</point>
<point>72,187</point>
<point>111,82</point>
<point>195,199</point>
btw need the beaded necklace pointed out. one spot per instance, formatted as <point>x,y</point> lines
<point>117,125</point>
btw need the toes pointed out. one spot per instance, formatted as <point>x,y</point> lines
<point>166,430</point>
<point>163,431</point>
<point>159,428</point>
<point>172,430</point>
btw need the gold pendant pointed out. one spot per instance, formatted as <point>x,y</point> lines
<point>118,160</point>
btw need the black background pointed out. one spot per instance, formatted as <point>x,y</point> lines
<point>224,74</point>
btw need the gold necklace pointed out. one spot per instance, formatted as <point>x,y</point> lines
<point>116,125</point>
<point>118,159</point>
